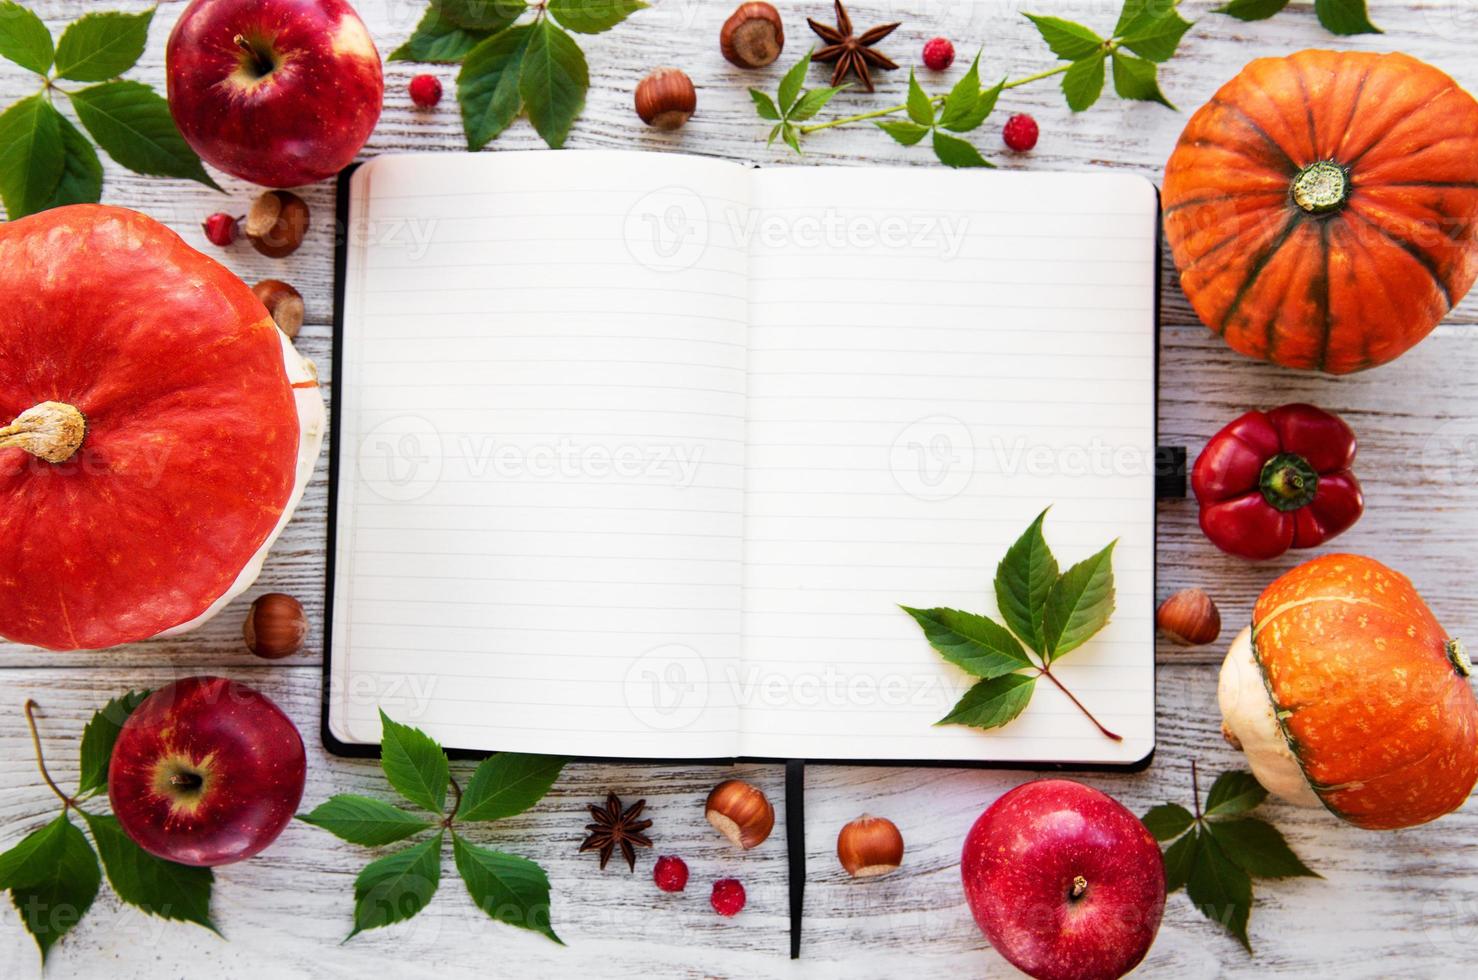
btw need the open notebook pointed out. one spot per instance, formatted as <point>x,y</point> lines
<point>635,455</point>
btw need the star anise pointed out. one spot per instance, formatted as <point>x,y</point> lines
<point>615,828</point>
<point>852,53</point>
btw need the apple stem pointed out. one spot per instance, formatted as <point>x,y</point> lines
<point>67,801</point>
<point>261,63</point>
<point>1049,675</point>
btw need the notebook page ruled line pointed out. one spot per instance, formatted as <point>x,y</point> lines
<point>571,392</point>
<point>912,406</point>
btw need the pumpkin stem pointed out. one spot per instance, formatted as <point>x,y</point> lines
<point>1321,187</point>
<point>1458,654</point>
<point>52,431</point>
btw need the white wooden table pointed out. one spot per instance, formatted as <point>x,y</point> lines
<point>1404,903</point>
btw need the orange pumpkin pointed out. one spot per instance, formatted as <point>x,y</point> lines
<point>1323,208</point>
<point>1369,695</point>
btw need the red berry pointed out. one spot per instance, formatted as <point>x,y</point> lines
<point>220,229</point>
<point>728,897</point>
<point>1020,133</point>
<point>671,873</point>
<point>426,91</point>
<point>939,54</point>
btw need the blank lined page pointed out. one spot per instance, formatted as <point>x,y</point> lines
<point>540,491</point>
<point>934,358</point>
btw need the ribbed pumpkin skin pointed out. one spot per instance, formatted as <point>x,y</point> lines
<point>1384,726</point>
<point>1354,287</point>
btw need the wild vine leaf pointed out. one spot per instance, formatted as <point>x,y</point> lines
<point>903,131</point>
<point>1155,33</point>
<point>508,888</point>
<point>764,105</point>
<point>488,86</point>
<point>1082,83</point>
<point>592,16</point>
<point>1220,889</point>
<point>98,737</point>
<point>1233,793</point>
<point>82,173</point>
<point>1179,859</point>
<point>100,46</point>
<point>791,82</point>
<point>414,764</point>
<point>31,155</point>
<point>1258,848</point>
<point>1023,579</point>
<point>1252,9</point>
<point>159,887</point>
<point>1135,79</point>
<point>507,784</point>
<point>396,887</point>
<point>955,152</point>
<point>920,106</point>
<point>553,82</point>
<point>1079,604</point>
<point>480,15</point>
<point>812,102</point>
<point>439,40</point>
<point>364,821</point>
<point>992,703</point>
<point>976,644</point>
<point>1068,40</point>
<point>1168,821</point>
<point>24,38</point>
<point>1345,17</point>
<point>53,877</point>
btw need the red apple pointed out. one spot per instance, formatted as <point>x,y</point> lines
<point>277,92</point>
<point>1064,882</point>
<point>206,771</point>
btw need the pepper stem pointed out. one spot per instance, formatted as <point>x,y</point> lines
<point>52,431</point>
<point>1288,482</point>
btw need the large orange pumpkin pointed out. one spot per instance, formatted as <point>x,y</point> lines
<point>156,430</point>
<point>1323,208</point>
<point>1351,694</point>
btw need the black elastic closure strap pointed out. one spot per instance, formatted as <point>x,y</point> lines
<point>1170,473</point>
<point>795,843</point>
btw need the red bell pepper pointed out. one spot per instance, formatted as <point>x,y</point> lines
<point>1276,480</point>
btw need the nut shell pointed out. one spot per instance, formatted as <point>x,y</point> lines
<point>277,223</point>
<point>284,303</point>
<point>1189,618</point>
<point>870,846</point>
<point>753,36</point>
<point>275,626</point>
<point>666,99</point>
<point>740,812</point>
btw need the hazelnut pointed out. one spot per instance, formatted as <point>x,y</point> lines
<point>666,98</point>
<point>284,303</point>
<point>741,813</point>
<point>277,223</point>
<point>1189,618</point>
<point>753,36</point>
<point>870,846</point>
<point>275,627</point>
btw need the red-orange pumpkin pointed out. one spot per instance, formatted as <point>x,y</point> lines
<point>1364,697</point>
<point>156,446</point>
<point>1323,208</point>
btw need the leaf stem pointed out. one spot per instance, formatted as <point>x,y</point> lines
<point>456,803</point>
<point>67,801</point>
<point>1045,672</point>
<point>1196,790</point>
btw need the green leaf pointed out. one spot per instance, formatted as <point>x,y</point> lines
<point>992,703</point>
<point>97,47</point>
<point>1221,890</point>
<point>1083,82</point>
<point>920,108</point>
<point>81,183</point>
<point>396,887</point>
<point>1179,859</point>
<point>1258,848</point>
<point>553,82</point>
<point>1079,603</point>
<point>1252,9</point>
<point>774,132</point>
<point>812,102</point>
<point>101,733</point>
<point>1069,41</point>
<point>792,137</point>
<point>436,39</point>
<point>1023,580</point>
<point>903,131</point>
<point>507,784</point>
<point>508,888</point>
<point>1234,792</point>
<point>976,644</point>
<point>961,101</point>
<point>481,15</point>
<point>955,152</point>
<point>415,765</point>
<point>159,887</point>
<point>487,86</point>
<point>593,16</point>
<point>1155,34</point>
<point>31,155</point>
<point>764,105</point>
<point>131,122</point>
<point>790,85</point>
<point>1345,17</point>
<point>53,883</point>
<point>1134,78</point>
<point>24,39</point>
<point>1168,821</point>
<point>361,820</point>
